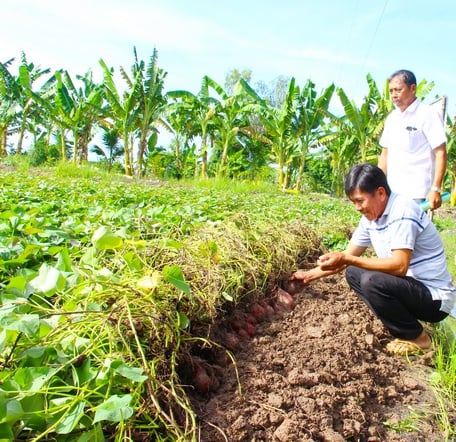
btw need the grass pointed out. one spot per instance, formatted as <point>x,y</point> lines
<point>236,186</point>
<point>445,222</point>
<point>443,377</point>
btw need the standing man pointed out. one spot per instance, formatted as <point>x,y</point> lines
<point>408,281</point>
<point>413,142</point>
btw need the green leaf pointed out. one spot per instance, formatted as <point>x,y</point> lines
<point>135,374</point>
<point>172,244</point>
<point>72,416</point>
<point>16,285</point>
<point>6,433</point>
<point>173,274</point>
<point>32,379</point>
<point>30,230</point>
<point>64,261</point>
<point>104,239</point>
<point>27,323</point>
<point>37,356</point>
<point>34,411</point>
<point>133,261</point>
<point>183,320</point>
<point>114,409</point>
<point>95,434</point>
<point>10,411</point>
<point>49,280</point>
<point>89,258</point>
<point>84,373</point>
<point>7,338</point>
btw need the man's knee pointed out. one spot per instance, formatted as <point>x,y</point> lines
<point>364,280</point>
<point>372,282</point>
<point>355,276</point>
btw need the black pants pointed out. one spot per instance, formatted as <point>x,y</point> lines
<point>398,301</point>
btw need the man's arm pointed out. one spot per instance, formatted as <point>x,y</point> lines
<point>441,158</point>
<point>397,264</point>
<point>307,276</point>
<point>382,159</point>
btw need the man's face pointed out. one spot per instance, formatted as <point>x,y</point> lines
<point>371,206</point>
<point>401,94</point>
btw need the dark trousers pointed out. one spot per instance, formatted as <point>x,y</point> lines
<point>398,301</point>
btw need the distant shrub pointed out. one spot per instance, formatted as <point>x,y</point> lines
<point>44,154</point>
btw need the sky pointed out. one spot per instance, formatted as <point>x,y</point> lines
<point>326,41</point>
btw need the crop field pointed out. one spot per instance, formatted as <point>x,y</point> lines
<point>106,283</point>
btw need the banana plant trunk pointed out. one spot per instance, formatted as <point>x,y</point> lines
<point>3,151</point>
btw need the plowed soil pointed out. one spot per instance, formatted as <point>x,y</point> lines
<point>319,373</point>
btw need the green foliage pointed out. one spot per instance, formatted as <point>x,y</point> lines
<point>101,279</point>
<point>74,246</point>
<point>267,131</point>
<point>318,175</point>
<point>20,162</point>
<point>447,230</point>
<point>94,171</point>
<point>443,376</point>
<point>42,154</point>
<point>235,186</point>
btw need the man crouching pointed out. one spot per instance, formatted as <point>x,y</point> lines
<point>408,281</point>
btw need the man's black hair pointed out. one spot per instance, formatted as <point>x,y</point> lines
<point>408,77</point>
<point>367,178</point>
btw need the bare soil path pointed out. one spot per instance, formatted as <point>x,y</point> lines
<point>320,373</point>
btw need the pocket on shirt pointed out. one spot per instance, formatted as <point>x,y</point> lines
<point>415,141</point>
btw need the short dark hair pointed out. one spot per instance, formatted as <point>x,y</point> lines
<point>408,77</point>
<point>367,178</point>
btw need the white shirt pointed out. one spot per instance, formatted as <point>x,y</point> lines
<point>410,137</point>
<point>403,225</point>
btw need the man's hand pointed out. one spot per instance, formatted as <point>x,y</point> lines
<point>435,199</point>
<point>333,261</point>
<point>307,276</point>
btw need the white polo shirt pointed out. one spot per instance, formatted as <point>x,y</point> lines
<point>410,138</point>
<point>403,225</point>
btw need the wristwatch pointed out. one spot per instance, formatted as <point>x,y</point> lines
<point>436,189</point>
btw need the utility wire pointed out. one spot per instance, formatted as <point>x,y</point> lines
<point>375,33</point>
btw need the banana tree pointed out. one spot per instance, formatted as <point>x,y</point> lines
<point>308,120</point>
<point>180,117</point>
<point>151,106</point>
<point>30,116</point>
<point>77,110</point>
<point>340,151</point>
<point>196,117</point>
<point>9,94</point>
<point>363,124</point>
<point>230,120</point>
<point>278,124</point>
<point>72,110</point>
<point>451,165</point>
<point>122,109</point>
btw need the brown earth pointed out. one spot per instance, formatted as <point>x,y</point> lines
<point>318,373</point>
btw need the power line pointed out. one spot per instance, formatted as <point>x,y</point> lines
<point>375,33</point>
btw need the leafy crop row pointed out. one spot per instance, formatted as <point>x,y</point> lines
<point>102,284</point>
